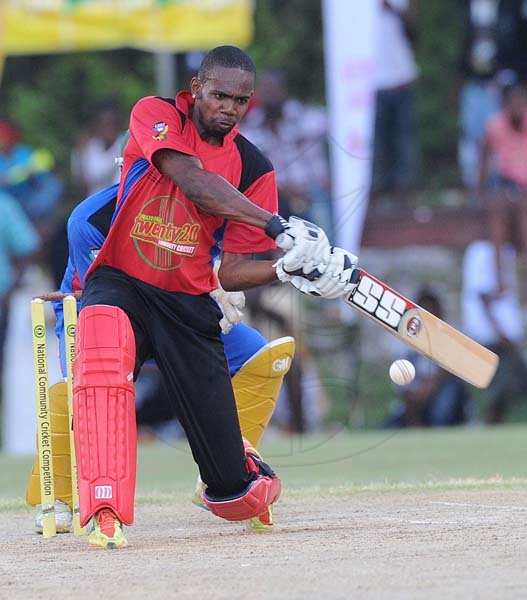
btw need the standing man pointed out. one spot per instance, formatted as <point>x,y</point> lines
<point>395,136</point>
<point>479,98</point>
<point>189,181</point>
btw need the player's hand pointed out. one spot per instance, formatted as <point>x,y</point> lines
<point>231,305</point>
<point>337,279</point>
<point>306,248</point>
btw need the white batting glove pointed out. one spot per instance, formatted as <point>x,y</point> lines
<point>336,280</point>
<point>231,305</point>
<point>305,244</point>
<point>310,246</point>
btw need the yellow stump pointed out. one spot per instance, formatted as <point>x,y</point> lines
<point>70,322</point>
<point>45,455</point>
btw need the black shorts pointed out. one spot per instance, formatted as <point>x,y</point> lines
<point>182,333</point>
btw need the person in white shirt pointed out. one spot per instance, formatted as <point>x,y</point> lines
<point>93,160</point>
<point>491,314</point>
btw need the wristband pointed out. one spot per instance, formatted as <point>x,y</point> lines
<point>275,226</point>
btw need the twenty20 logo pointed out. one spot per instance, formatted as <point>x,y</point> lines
<point>379,301</point>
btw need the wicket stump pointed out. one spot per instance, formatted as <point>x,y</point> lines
<point>44,438</point>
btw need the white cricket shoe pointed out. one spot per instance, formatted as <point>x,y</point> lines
<point>63,517</point>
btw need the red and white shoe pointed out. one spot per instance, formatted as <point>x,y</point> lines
<point>107,532</point>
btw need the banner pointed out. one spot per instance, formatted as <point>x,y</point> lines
<point>349,36</point>
<point>2,40</point>
<point>47,26</point>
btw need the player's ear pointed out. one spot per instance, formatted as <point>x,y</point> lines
<point>195,87</point>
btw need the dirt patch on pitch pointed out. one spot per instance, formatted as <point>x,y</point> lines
<point>394,545</point>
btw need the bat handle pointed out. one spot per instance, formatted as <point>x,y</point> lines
<point>284,241</point>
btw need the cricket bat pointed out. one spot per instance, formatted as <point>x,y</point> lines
<point>420,329</point>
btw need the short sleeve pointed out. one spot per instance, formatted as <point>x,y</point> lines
<point>83,238</point>
<point>245,239</point>
<point>156,124</point>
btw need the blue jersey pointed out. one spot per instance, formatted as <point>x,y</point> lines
<point>88,227</point>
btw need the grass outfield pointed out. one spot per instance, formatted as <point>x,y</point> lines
<point>347,462</point>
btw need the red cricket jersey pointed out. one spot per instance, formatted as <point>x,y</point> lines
<point>157,234</point>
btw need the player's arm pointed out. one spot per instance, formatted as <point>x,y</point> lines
<point>241,271</point>
<point>211,193</point>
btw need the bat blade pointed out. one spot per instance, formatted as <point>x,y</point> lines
<point>420,329</point>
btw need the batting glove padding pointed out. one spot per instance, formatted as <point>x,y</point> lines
<point>336,280</point>
<point>308,247</point>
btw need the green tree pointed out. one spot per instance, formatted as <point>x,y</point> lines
<point>288,35</point>
<point>438,50</point>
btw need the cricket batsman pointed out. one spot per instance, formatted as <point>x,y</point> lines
<point>190,182</point>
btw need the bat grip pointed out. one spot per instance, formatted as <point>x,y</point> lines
<point>284,241</point>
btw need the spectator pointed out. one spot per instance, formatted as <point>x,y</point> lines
<point>93,160</point>
<point>395,139</point>
<point>506,144</point>
<point>435,398</point>
<point>492,314</point>
<point>27,175</point>
<point>293,136</point>
<point>480,94</point>
<point>503,163</point>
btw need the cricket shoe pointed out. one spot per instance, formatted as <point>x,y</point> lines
<point>262,523</point>
<point>196,499</point>
<point>107,532</point>
<point>63,517</point>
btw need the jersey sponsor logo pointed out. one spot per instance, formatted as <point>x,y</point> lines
<point>379,301</point>
<point>161,131</point>
<point>103,492</point>
<point>158,240</point>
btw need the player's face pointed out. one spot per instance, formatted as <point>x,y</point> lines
<point>222,100</point>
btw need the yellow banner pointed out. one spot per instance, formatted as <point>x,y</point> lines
<point>47,26</point>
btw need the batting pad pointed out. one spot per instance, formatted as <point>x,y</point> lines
<point>104,412</point>
<point>257,385</point>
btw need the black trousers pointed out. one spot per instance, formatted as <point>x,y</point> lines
<point>181,332</point>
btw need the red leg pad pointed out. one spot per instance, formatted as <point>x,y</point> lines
<point>256,499</point>
<point>104,412</point>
